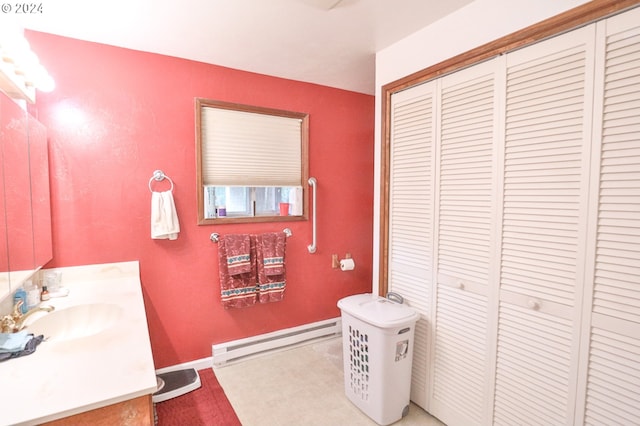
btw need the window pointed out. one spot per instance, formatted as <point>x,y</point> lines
<point>250,160</point>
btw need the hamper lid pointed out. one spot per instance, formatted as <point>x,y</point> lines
<point>378,311</point>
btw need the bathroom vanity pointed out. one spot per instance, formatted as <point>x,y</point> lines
<point>95,365</point>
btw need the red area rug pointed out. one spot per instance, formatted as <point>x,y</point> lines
<point>207,405</point>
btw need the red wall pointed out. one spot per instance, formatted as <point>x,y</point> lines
<point>117,115</point>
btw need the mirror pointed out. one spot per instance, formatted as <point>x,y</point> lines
<point>25,208</point>
<point>40,193</point>
<point>4,254</point>
<point>17,191</point>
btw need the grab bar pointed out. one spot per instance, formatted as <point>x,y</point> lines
<point>312,246</point>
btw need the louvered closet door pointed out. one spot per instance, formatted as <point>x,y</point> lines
<point>465,224</point>
<point>613,369</point>
<point>546,159</point>
<point>411,216</point>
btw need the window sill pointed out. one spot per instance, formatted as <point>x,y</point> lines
<point>250,219</point>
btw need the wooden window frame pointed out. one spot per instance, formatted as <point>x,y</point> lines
<point>304,152</point>
<point>581,15</point>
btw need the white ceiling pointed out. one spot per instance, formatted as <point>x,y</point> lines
<point>306,40</point>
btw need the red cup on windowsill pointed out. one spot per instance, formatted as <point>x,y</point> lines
<point>284,209</point>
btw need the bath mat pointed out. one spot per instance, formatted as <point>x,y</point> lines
<point>206,406</point>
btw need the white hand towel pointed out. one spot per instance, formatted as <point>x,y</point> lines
<point>164,219</point>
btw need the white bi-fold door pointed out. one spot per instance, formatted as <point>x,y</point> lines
<point>460,362</point>
<point>545,173</point>
<point>411,199</point>
<point>609,380</point>
<point>515,231</point>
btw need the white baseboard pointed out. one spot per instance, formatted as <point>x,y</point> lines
<point>198,364</point>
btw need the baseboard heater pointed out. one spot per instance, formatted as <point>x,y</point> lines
<point>237,350</point>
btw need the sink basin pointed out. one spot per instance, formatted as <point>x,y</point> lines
<point>76,321</point>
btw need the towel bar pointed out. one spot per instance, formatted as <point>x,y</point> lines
<point>215,237</point>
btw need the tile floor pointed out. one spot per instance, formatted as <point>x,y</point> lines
<point>300,386</point>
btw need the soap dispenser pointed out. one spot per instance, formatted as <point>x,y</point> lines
<point>21,296</point>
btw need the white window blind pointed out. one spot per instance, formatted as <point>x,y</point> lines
<point>241,148</point>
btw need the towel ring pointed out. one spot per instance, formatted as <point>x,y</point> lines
<point>159,175</point>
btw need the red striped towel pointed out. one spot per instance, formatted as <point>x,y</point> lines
<point>238,289</point>
<point>270,251</point>
<point>238,249</point>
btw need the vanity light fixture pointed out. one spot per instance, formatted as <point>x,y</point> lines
<point>20,70</point>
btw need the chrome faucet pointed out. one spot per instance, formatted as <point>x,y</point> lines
<point>19,325</point>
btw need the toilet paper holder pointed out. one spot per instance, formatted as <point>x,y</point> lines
<point>347,265</point>
<point>335,261</point>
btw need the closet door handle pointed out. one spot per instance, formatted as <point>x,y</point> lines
<point>533,304</point>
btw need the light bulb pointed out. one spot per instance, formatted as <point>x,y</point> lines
<point>46,83</point>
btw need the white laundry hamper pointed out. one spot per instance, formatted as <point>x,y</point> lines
<point>378,351</point>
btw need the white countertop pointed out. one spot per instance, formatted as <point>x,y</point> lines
<point>63,378</point>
